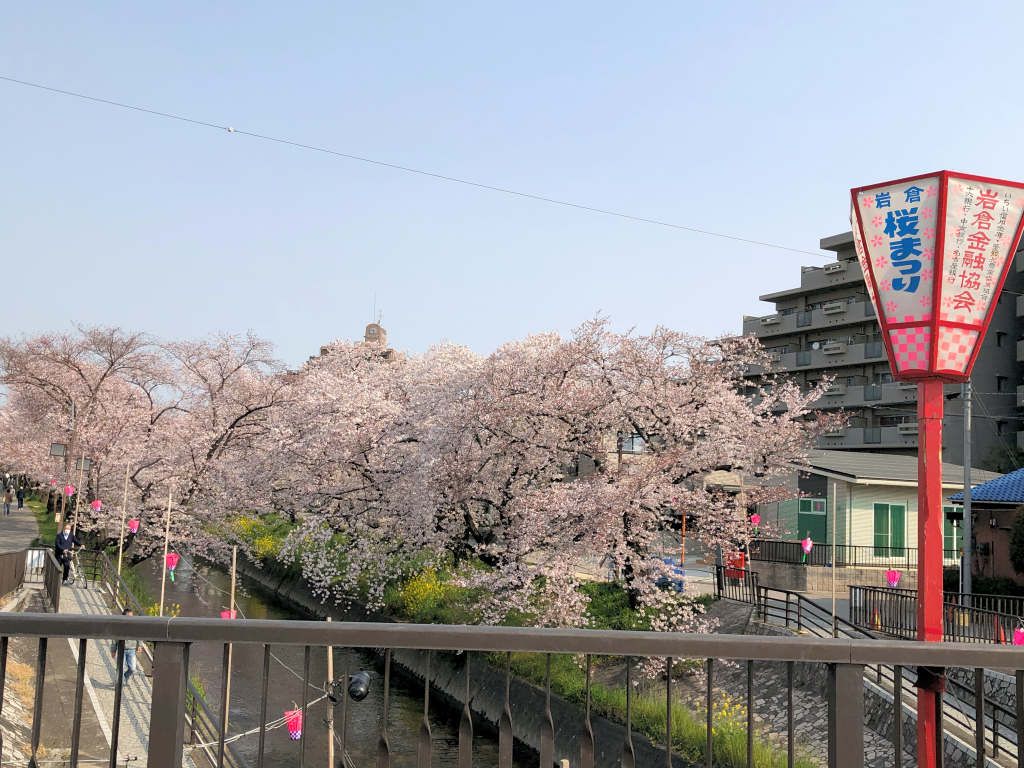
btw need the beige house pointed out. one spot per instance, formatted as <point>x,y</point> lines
<point>868,500</point>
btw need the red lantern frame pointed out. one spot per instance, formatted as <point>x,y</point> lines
<point>934,322</point>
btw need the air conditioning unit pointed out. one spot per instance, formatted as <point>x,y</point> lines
<point>836,266</point>
<point>836,389</point>
<point>834,307</point>
<point>836,433</point>
<point>908,429</point>
<point>771,320</point>
<point>834,348</point>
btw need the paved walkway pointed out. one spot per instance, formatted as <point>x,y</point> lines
<point>18,529</point>
<point>137,695</point>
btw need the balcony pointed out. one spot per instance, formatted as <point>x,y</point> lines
<point>834,348</point>
<point>835,389</point>
<point>1020,305</point>
<point>831,275</point>
<point>780,325</point>
<point>871,395</point>
<point>910,428</point>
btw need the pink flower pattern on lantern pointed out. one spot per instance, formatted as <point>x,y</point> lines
<point>884,285</point>
<point>947,302</point>
<point>878,221</point>
<point>926,301</point>
<point>926,213</point>
<point>929,233</point>
<point>929,254</point>
<point>931,191</point>
<point>867,202</point>
<point>881,261</point>
<point>891,306</point>
<point>876,241</point>
<point>1005,241</point>
<point>926,275</point>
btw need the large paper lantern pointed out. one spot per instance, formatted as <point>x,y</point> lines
<point>935,251</point>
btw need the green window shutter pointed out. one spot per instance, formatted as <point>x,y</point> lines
<point>898,526</point>
<point>881,530</point>
<point>805,505</point>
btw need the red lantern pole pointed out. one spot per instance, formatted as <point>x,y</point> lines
<point>929,554</point>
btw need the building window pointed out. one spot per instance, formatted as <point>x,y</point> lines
<point>890,530</point>
<point>804,319</point>
<point>1000,337</point>
<point>1001,427</point>
<point>812,520</point>
<point>1001,383</point>
<point>804,357</point>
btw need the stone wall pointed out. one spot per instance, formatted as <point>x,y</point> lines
<point>802,578</point>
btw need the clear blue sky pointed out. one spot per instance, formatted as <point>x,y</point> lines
<point>752,119</point>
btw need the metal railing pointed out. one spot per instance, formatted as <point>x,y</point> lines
<point>847,555</point>
<point>12,572</point>
<point>1001,728</point>
<point>894,612</point>
<point>53,575</point>
<point>846,659</point>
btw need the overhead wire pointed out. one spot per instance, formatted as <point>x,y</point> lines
<point>407,169</point>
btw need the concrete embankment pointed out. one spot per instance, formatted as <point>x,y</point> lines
<point>486,689</point>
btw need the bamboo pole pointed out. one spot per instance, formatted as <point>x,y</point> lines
<point>78,493</point>
<point>167,536</point>
<point>330,706</point>
<point>124,512</point>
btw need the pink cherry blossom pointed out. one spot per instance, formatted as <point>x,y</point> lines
<point>891,307</point>
<point>884,285</point>
<point>868,201</point>
<point>881,261</point>
<point>926,301</point>
<point>878,221</point>
<point>1005,241</point>
<point>931,191</point>
<point>926,213</point>
<point>876,241</point>
<point>926,275</point>
<point>928,233</point>
<point>928,253</point>
<point>947,302</point>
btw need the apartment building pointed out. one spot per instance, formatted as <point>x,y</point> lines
<point>827,327</point>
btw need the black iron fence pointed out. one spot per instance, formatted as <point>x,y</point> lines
<point>53,574</point>
<point>846,555</point>
<point>894,612</point>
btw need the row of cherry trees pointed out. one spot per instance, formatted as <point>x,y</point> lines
<point>446,457</point>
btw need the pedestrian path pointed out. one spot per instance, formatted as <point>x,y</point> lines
<point>137,695</point>
<point>18,529</point>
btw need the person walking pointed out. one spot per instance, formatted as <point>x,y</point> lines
<point>8,498</point>
<point>131,647</point>
<point>21,497</point>
<point>65,545</point>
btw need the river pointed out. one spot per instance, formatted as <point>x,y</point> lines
<point>204,592</point>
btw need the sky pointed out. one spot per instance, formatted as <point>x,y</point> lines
<point>747,119</point>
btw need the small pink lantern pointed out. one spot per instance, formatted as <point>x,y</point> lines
<point>133,526</point>
<point>172,562</point>
<point>293,719</point>
<point>53,483</point>
<point>68,490</point>
<point>807,545</point>
<point>893,577</point>
<point>97,505</point>
<point>755,520</point>
<point>1018,636</point>
<point>229,614</point>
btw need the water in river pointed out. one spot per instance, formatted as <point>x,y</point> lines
<point>203,592</point>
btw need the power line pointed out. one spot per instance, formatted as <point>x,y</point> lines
<point>407,169</point>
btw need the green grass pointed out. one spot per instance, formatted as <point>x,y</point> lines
<point>47,525</point>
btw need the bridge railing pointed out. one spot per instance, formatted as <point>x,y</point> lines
<point>846,658</point>
<point>846,555</point>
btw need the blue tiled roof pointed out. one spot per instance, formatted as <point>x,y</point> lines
<point>1008,489</point>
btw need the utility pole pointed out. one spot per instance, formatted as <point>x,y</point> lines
<point>225,708</point>
<point>965,560</point>
<point>67,468</point>
<point>835,488</point>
